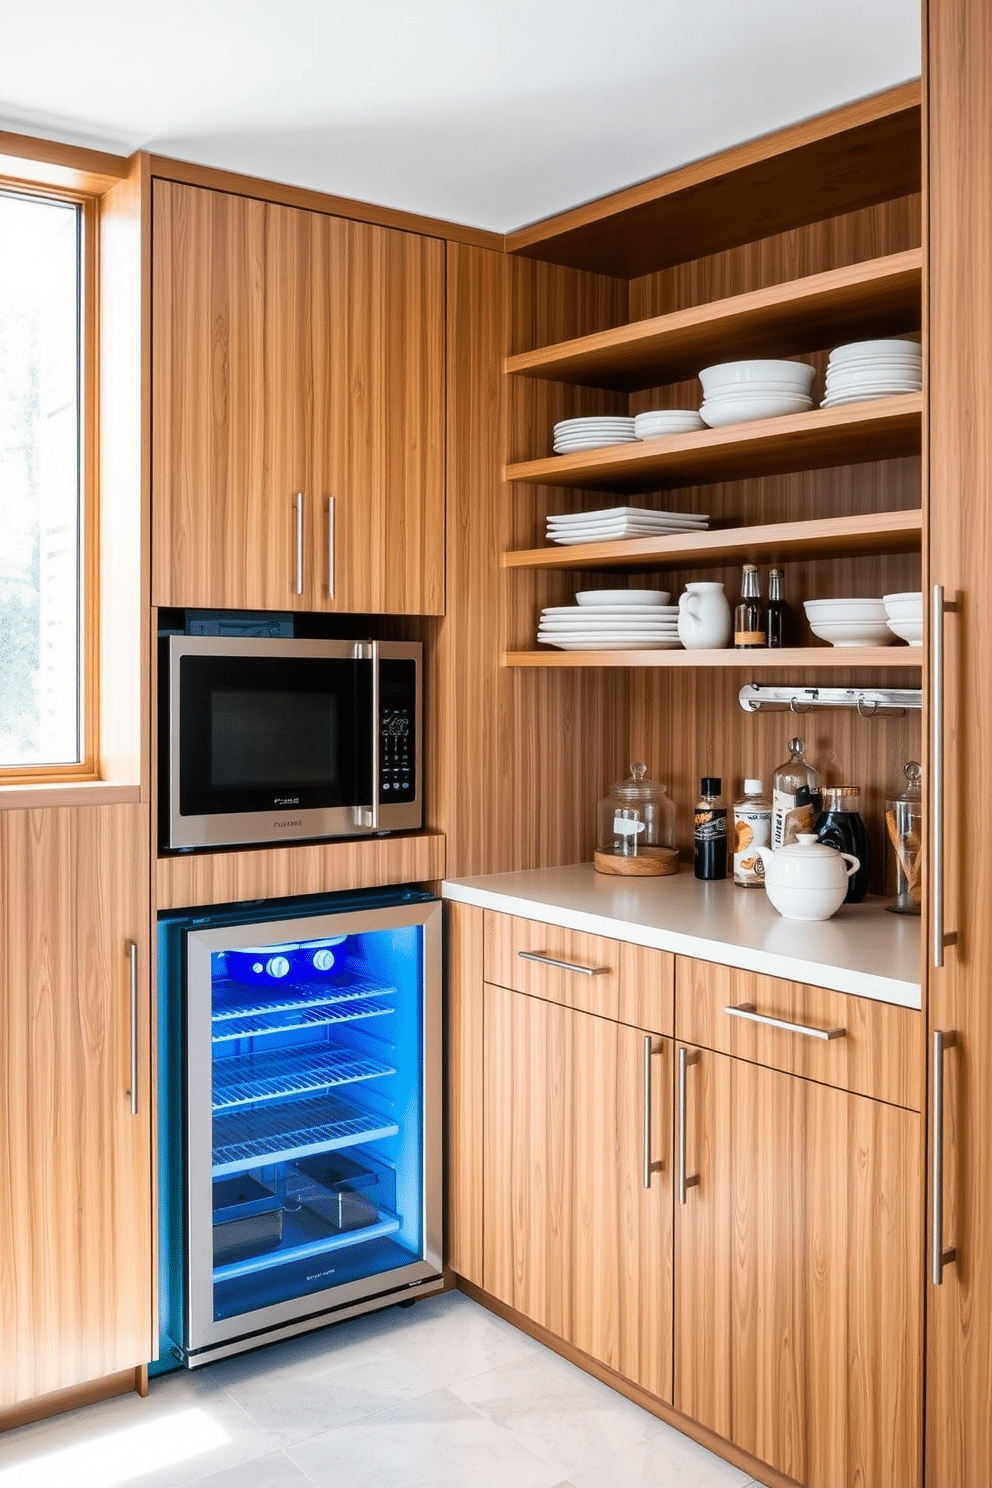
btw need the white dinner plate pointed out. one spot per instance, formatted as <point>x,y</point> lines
<point>609,599</point>
<point>618,643</point>
<point>611,513</point>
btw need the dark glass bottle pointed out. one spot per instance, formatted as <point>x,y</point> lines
<point>777,618</point>
<point>749,616</point>
<point>710,830</point>
<point>840,825</point>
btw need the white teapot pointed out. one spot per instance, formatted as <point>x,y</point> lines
<point>807,880</point>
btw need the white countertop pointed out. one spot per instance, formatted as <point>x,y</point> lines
<point>863,949</point>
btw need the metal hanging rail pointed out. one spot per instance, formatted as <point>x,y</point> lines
<point>870,702</point>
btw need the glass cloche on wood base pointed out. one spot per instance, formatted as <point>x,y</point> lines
<point>635,828</point>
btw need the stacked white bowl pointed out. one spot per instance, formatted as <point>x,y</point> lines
<point>736,392</point>
<point>873,369</point>
<point>574,434</point>
<point>661,422</point>
<point>849,622</point>
<point>904,616</point>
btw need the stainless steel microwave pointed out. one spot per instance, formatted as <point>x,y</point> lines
<point>279,739</point>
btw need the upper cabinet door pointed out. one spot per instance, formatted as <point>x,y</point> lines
<point>298,409</point>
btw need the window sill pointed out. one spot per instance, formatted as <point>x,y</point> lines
<point>14,797</point>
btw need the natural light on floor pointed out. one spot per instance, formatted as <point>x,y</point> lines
<point>122,1456</point>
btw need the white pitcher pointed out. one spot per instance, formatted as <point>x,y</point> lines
<point>705,621</point>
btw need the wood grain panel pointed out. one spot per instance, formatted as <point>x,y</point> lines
<point>647,988</point>
<point>518,762</point>
<point>798,1317</point>
<point>866,152</point>
<point>958,110</point>
<point>75,1164</point>
<point>573,1239</point>
<point>880,1055</point>
<point>309,868</point>
<point>464,1116</point>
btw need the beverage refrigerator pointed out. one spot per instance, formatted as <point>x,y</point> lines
<point>299,1057</point>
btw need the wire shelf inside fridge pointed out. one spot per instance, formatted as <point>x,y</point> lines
<point>282,1133</point>
<point>283,1073</point>
<point>386,1224</point>
<point>236,999</point>
<point>320,1015</point>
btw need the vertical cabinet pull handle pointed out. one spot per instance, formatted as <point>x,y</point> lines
<point>646,1139</point>
<point>132,956</point>
<point>331,511</point>
<point>684,1180</point>
<point>939,1257</point>
<point>376,736</point>
<point>298,508</point>
<point>937,774</point>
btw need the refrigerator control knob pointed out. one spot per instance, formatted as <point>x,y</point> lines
<point>277,966</point>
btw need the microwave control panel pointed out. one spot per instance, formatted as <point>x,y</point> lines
<point>397,732</point>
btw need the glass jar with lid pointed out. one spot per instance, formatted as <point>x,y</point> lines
<point>904,829</point>
<point>635,827</point>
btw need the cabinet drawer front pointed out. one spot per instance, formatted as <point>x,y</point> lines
<point>591,973</point>
<point>875,1049</point>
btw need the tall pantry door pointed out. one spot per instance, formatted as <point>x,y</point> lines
<point>958,46</point>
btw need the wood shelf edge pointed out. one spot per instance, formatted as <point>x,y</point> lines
<point>877,532</point>
<point>810,658</point>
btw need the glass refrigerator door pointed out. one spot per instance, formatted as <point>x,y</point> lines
<point>313,1142</point>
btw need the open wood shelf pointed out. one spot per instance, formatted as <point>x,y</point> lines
<point>810,658</point>
<point>879,298</point>
<point>853,157</point>
<point>829,537</point>
<point>882,429</point>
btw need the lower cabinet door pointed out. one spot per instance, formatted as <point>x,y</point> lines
<point>798,1273</point>
<point>75,1159</point>
<point>578,1191</point>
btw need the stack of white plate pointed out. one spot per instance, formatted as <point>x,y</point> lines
<point>663,421</point>
<point>612,620</point>
<point>904,616</point>
<point>849,622</point>
<point>872,369</point>
<point>621,521</point>
<point>576,434</point>
<point>737,392</point>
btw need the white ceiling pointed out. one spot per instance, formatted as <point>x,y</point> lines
<point>491,113</point>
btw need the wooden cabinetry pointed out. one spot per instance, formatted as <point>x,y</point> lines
<point>298,408</point>
<point>798,1244</point>
<point>75,1099</point>
<point>577,1163</point>
<point>827,169</point>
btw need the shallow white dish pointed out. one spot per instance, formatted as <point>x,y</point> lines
<point>616,643</point>
<point>872,610</point>
<point>843,400</point>
<point>594,442</point>
<point>589,621</point>
<point>747,410</point>
<point>837,382</point>
<point>907,594</point>
<point>905,610</point>
<point>632,513</point>
<point>910,631</point>
<point>798,375</point>
<point>892,346</point>
<point>667,418</point>
<point>622,596</point>
<point>852,632</point>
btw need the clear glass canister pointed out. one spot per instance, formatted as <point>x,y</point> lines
<point>904,830</point>
<point>636,819</point>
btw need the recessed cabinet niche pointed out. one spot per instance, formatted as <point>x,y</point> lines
<point>298,408</point>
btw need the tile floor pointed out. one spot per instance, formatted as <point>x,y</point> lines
<point>439,1395</point>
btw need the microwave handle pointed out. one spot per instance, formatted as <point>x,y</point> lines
<point>376,724</point>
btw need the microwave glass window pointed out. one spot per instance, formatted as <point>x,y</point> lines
<point>261,740</point>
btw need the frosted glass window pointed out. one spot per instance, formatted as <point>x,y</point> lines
<point>40,548</point>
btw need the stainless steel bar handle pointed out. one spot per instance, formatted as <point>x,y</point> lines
<point>748,1011</point>
<point>646,1143</point>
<point>132,954</point>
<point>939,1257</point>
<point>564,965</point>
<point>331,513</point>
<point>376,740</point>
<point>937,775</point>
<point>684,1180</point>
<point>298,507</point>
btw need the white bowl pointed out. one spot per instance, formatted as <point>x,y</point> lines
<point>916,594</point>
<point>905,609</point>
<point>852,632</point>
<point>798,375</point>
<point>893,347</point>
<point>907,630</point>
<point>871,610</point>
<point>745,410</point>
<point>642,597</point>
